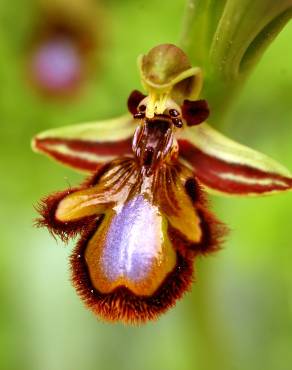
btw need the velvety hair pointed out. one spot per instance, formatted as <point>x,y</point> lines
<point>121,304</point>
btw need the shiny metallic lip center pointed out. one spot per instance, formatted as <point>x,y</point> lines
<point>133,242</point>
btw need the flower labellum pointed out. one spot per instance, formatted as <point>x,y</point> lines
<point>142,217</point>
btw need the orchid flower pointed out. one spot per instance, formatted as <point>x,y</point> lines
<point>142,217</point>
<point>64,43</point>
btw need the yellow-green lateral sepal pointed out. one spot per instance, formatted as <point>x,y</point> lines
<point>87,145</point>
<point>230,168</point>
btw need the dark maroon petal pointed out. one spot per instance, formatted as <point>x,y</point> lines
<point>195,112</point>
<point>134,100</point>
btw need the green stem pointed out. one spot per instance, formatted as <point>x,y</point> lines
<point>227,38</point>
<point>199,25</point>
<point>213,348</point>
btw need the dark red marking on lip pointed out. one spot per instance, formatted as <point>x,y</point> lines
<point>152,142</point>
<point>213,230</point>
<point>192,189</point>
<point>148,156</point>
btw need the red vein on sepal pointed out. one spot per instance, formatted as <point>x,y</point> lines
<point>82,154</point>
<point>233,178</point>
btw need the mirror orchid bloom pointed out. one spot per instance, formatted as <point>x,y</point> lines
<point>142,217</point>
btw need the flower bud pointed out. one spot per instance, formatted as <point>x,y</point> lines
<point>166,70</point>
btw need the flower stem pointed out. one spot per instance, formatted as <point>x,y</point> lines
<point>227,39</point>
<point>213,346</point>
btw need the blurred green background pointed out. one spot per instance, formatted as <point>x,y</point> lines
<point>239,314</point>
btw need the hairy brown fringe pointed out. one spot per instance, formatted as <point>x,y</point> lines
<point>121,304</point>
